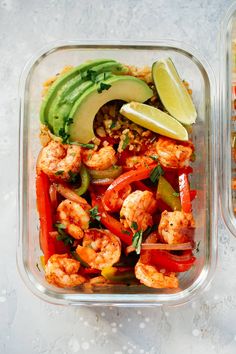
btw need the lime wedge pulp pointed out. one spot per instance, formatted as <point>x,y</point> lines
<point>154,119</point>
<point>172,92</point>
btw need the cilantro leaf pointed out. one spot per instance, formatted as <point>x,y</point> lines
<point>156,173</point>
<point>125,232</point>
<point>134,225</point>
<point>69,121</point>
<point>175,194</point>
<point>113,124</point>
<point>125,142</point>
<point>63,236</point>
<point>137,241</point>
<point>94,214</point>
<point>87,146</point>
<point>197,247</point>
<point>58,173</point>
<point>103,86</point>
<point>63,135</point>
<point>73,177</point>
<point>154,157</point>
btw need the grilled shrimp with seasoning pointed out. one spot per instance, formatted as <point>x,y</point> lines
<point>74,217</point>
<point>100,248</point>
<point>101,159</point>
<point>116,202</point>
<point>172,153</point>
<point>58,160</point>
<point>62,271</point>
<point>149,274</point>
<point>174,226</point>
<point>138,208</point>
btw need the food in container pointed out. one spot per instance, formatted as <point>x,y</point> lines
<point>201,181</point>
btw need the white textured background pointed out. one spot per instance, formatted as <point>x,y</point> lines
<point>28,325</point>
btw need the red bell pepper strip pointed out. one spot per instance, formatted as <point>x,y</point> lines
<point>193,194</point>
<point>184,192</point>
<point>141,186</point>
<point>89,271</point>
<point>111,223</point>
<point>125,179</point>
<point>45,215</point>
<point>169,261</point>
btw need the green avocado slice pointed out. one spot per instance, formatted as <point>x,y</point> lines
<point>71,91</point>
<point>52,92</point>
<point>125,88</point>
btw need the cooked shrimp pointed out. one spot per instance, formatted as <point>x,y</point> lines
<point>100,248</point>
<point>172,153</point>
<point>150,276</point>
<point>137,210</point>
<point>115,203</point>
<point>58,161</point>
<point>62,271</point>
<point>73,217</point>
<point>175,226</point>
<point>101,159</point>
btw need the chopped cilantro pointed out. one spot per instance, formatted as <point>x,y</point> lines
<point>175,194</point>
<point>113,124</point>
<point>154,157</point>
<point>91,75</point>
<point>126,232</point>
<point>125,142</point>
<point>60,226</point>
<point>137,241</point>
<point>94,214</point>
<point>69,121</point>
<point>87,146</point>
<point>156,173</point>
<point>60,172</point>
<point>73,177</point>
<point>63,236</point>
<point>103,86</point>
<point>64,135</point>
<point>134,225</point>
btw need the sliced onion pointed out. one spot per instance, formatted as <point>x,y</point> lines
<point>163,246</point>
<point>53,196</point>
<point>102,181</point>
<point>68,193</point>
<point>53,234</point>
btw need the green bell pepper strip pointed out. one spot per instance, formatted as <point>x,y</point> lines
<point>85,181</point>
<point>167,194</point>
<point>113,274</point>
<point>111,172</point>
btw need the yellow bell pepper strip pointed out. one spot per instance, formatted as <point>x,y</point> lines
<point>167,194</point>
<point>117,275</point>
<point>85,180</point>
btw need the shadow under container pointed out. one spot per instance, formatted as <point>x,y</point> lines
<point>193,69</point>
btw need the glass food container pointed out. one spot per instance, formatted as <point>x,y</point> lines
<point>193,69</point>
<point>228,119</point>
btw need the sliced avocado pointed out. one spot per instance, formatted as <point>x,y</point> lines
<point>62,79</point>
<point>71,90</point>
<point>126,88</point>
<point>63,112</point>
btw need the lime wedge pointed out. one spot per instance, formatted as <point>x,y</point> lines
<point>172,91</point>
<point>153,119</point>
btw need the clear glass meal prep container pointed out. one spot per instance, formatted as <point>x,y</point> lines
<point>193,69</point>
<point>228,119</point>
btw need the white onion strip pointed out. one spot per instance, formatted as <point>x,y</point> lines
<point>163,246</point>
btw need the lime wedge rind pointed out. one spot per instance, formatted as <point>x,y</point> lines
<point>155,120</point>
<point>172,92</point>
